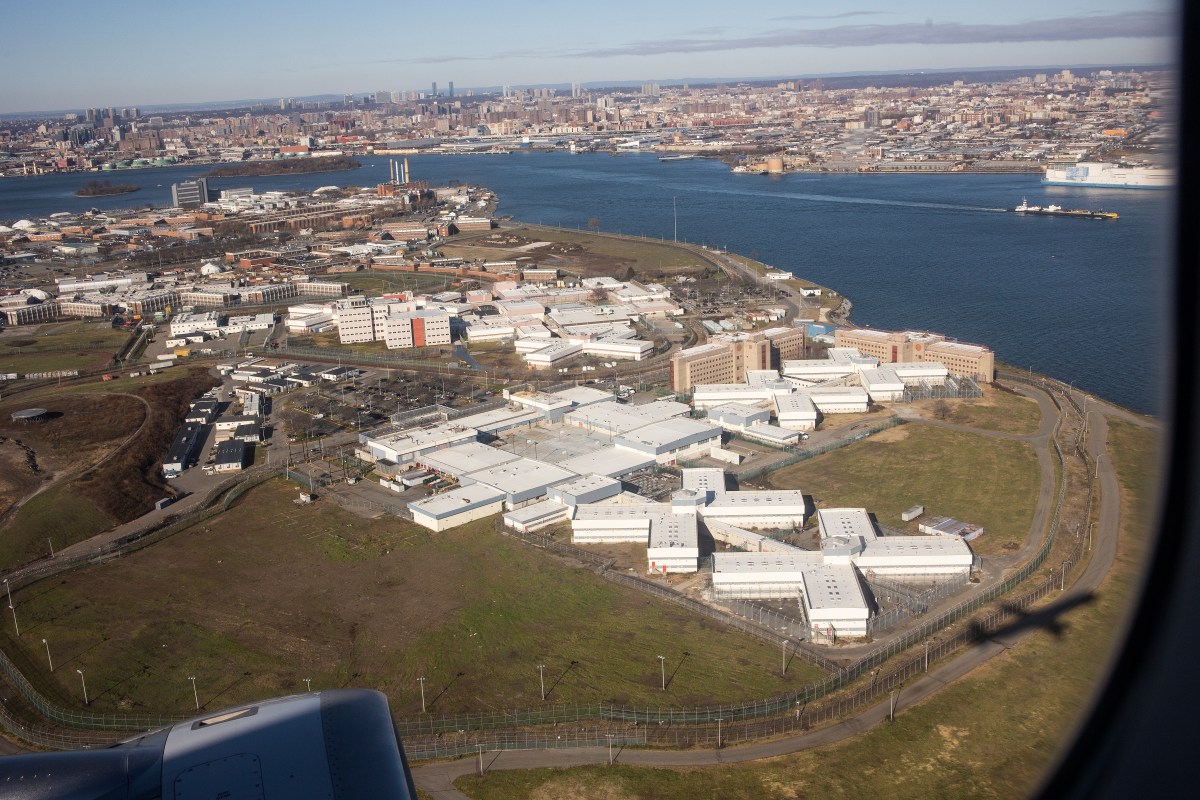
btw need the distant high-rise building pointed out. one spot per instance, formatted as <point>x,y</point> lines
<point>134,112</point>
<point>190,194</point>
<point>78,134</point>
<point>451,88</point>
<point>505,91</point>
<point>433,92</point>
<point>872,118</point>
<point>383,98</point>
<point>282,104</point>
<point>89,114</point>
<point>575,89</point>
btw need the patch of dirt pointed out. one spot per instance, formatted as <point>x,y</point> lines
<point>896,434</point>
<point>579,789</point>
<point>128,484</point>
<point>19,473</point>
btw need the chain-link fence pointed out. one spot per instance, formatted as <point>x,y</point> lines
<point>429,736</point>
<point>219,499</point>
<point>950,389</point>
<point>807,451</point>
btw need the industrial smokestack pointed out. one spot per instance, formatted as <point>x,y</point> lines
<point>406,171</point>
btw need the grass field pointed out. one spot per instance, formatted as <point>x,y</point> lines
<point>986,481</point>
<point>646,255</point>
<point>997,410</point>
<point>24,363</point>
<point>992,734</point>
<point>71,345</point>
<point>59,514</point>
<point>272,592</point>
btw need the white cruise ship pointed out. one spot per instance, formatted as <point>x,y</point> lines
<point>1103,174</point>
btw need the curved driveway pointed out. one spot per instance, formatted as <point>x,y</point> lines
<point>437,779</point>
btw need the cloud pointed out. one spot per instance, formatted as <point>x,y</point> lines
<point>1129,25</point>
<point>843,15</point>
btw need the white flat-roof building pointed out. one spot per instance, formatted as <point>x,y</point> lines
<point>250,322</point>
<point>465,458</point>
<point>536,516</point>
<point>713,395</point>
<point>772,435</point>
<point>584,396</point>
<point>584,489</point>
<point>761,574</point>
<point>491,329</point>
<point>551,352</point>
<point>608,460</point>
<point>915,556</point>
<point>615,419</point>
<point>671,439</point>
<point>457,507</point>
<point>405,446</point>
<point>930,372</point>
<point>521,480</point>
<point>609,523</point>
<point>738,416</point>
<point>673,544</point>
<point>708,481</point>
<point>795,412</point>
<point>207,322</point>
<point>758,509</point>
<point>500,419</point>
<point>834,602</point>
<point>839,399</point>
<point>619,347</point>
<point>816,370</point>
<point>882,385</point>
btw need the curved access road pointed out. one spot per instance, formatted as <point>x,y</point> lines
<point>437,779</point>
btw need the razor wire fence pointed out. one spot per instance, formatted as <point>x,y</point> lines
<point>817,703</point>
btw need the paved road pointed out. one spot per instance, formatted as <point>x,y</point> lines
<point>437,779</point>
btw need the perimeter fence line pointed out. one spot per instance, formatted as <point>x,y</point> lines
<point>805,452</point>
<point>218,500</point>
<point>840,677</point>
<point>811,705</point>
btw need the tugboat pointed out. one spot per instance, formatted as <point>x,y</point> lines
<point>1059,211</point>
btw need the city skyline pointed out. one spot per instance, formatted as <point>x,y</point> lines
<point>137,54</point>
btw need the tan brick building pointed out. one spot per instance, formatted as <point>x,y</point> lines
<point>727,357</point>
<point>962,360</point>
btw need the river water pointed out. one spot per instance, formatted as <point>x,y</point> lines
<point>1078,299</point>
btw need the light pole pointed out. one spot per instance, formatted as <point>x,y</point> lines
<point>662,662</point>
<point>783,669</point>
<point>51,546</point>
<point>542,679</point>
<point>719,720</point>
<point>84,683</point>
<point>195,694</point>
<point>15,625</point>
<point>8,589</point>
<point>48,658</point>
<point>675,214</point>
<point>421,681</point>
<point>927,656</point>
<point>308,684</point>
<point>610,738</point>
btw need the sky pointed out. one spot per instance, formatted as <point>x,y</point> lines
<point>72,54</point>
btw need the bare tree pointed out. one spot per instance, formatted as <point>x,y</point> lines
<point>593,224</point>
<point>941,409</point>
